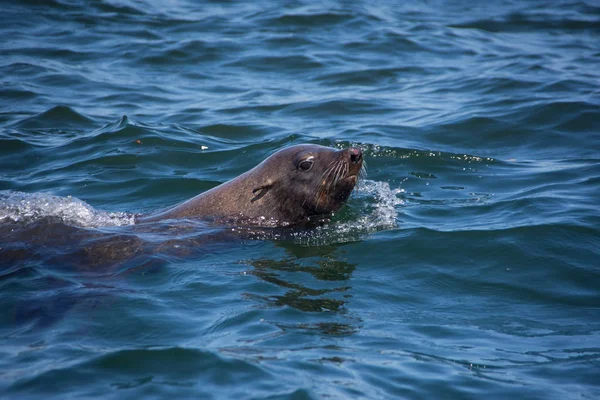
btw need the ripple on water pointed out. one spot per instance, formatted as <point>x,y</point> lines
<point>178,367</point>
<point>465,266</point>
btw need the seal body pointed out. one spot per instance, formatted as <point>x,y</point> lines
<point>295,185</point>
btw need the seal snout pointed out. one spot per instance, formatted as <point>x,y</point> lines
<point>355,155</point>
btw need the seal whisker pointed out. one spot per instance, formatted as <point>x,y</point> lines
<point>345,171</point>
<point>342,171</point>
<point>290,186</point>
<point>336,172</point>
<point>318,188</point>
<point>362,174</point>
<point>325,182</point>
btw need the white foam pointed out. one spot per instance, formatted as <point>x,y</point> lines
<point>374,208</point>
<point>385,201</point>
<point>376,205</point>
<point>28,207</point>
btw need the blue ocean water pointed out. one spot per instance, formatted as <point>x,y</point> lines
<point>465,266</point>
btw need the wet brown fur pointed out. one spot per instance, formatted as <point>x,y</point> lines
<point>277,192</point>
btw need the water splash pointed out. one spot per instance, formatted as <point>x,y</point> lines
<point>28,207</point>
<point>374,210</point>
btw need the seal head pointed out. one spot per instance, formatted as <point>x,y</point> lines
<point>298,184</point>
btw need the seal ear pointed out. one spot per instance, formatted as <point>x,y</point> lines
<point>263,189</point>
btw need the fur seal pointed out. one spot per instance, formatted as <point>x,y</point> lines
<point>295,185</point>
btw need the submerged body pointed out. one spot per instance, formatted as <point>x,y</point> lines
<point>295,185</point>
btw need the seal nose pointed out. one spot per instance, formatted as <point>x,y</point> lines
<point>355,154</point>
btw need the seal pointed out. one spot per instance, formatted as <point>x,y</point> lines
<point>296,185</point>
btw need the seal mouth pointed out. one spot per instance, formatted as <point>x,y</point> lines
<point>339,180</point>
<point>351,179</point>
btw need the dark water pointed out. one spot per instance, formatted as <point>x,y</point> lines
<point>467,266</point>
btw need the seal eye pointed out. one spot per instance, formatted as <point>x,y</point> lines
<point>305,165</point>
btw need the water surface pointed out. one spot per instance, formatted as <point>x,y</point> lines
<point>466,266</point>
